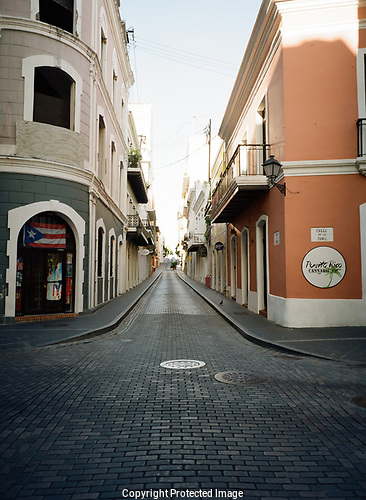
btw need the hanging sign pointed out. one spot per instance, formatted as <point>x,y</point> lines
<point>219,246</point>
<point>324,267</point>
<point>202,251</point>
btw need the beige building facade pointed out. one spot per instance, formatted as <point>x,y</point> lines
<point>65,141</point>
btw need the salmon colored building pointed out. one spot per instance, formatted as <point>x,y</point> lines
<point>297,250</point>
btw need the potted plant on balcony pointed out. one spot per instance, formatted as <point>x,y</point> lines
<point>134,158</point>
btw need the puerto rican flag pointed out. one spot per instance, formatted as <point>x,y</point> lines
<point>39,234</point>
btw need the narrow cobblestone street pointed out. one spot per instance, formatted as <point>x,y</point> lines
<point>103,419</point>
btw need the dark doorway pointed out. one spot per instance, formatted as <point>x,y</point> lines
<point>265,265</point>
<point>45,266</point>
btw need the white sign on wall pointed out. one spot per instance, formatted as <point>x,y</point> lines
<point>277,238</point>
<point>324,267</point>
<point>321,234</point>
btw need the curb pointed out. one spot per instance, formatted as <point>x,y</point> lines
<point>252,337</point>
<point>116,322</point>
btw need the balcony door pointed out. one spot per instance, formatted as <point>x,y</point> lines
<point>245,266</point>
<point>262,266</point>
<point>261,135</point>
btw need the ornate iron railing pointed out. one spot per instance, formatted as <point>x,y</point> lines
<point>246,160</point>
<point>361,137</point>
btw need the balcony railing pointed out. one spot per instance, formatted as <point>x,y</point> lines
<point>136,231</point>
<point>246,161</point>
<point>136,178</point>
<point>150,231</point>
<point>361,137</point>
<point>195,242</point>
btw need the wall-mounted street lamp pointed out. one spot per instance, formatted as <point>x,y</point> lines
<point>272,169</point>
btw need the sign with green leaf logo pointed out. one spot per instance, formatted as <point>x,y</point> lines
<point>324,267</point>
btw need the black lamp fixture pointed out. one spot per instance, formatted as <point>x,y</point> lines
<point>272,169</point>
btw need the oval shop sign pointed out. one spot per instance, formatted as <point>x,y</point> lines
<point>324,267</point>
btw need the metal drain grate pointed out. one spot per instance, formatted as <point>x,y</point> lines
<point>359,401</point>
<point>240,378</point>
<point>182,364</point>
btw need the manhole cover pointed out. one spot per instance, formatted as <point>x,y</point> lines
<point>240,378</point>
<point>359,401</point>
<point>182,364</point>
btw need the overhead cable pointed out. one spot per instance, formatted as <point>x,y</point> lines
<point>182,159</point>
<point>188,55</point>
<point>187,58</point>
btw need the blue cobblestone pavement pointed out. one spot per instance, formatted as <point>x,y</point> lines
<point>101,418</point>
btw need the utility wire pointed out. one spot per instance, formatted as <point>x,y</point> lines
<point>198,66</point>
<point>189,55</point>
<point>187,59</point>
<point>182,159</point>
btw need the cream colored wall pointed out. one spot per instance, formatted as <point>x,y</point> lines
<point>62,153</point>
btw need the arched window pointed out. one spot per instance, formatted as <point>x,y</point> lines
<point>112,256</point>
<point>100,252</point>
<point>103,51</point>
<point>101,149</point>
<point>112,266</point>
<point>52,97</point>
<point>56,79</point>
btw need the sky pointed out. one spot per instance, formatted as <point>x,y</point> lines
<point>185,57</point>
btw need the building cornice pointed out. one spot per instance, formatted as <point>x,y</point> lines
<point>47,30</point>
<point>301,6</point>
<point>43,168</point>
<point>118,30</point>
<point>59,35</point>
<point>262,39</point>
<point>34,166</point>
<point>319,167</point>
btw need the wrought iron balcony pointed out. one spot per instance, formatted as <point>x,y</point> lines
<point>136,178</point>
<point>150,233</point>
<point>361,137</point>
<point>242,181</point>
<point>136,231</point>
<point>195,242</point>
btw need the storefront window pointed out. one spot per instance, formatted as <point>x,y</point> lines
<point>45,266</point>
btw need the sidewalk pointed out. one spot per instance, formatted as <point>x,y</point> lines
<point>338,343</point>
<point>103,319</point>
